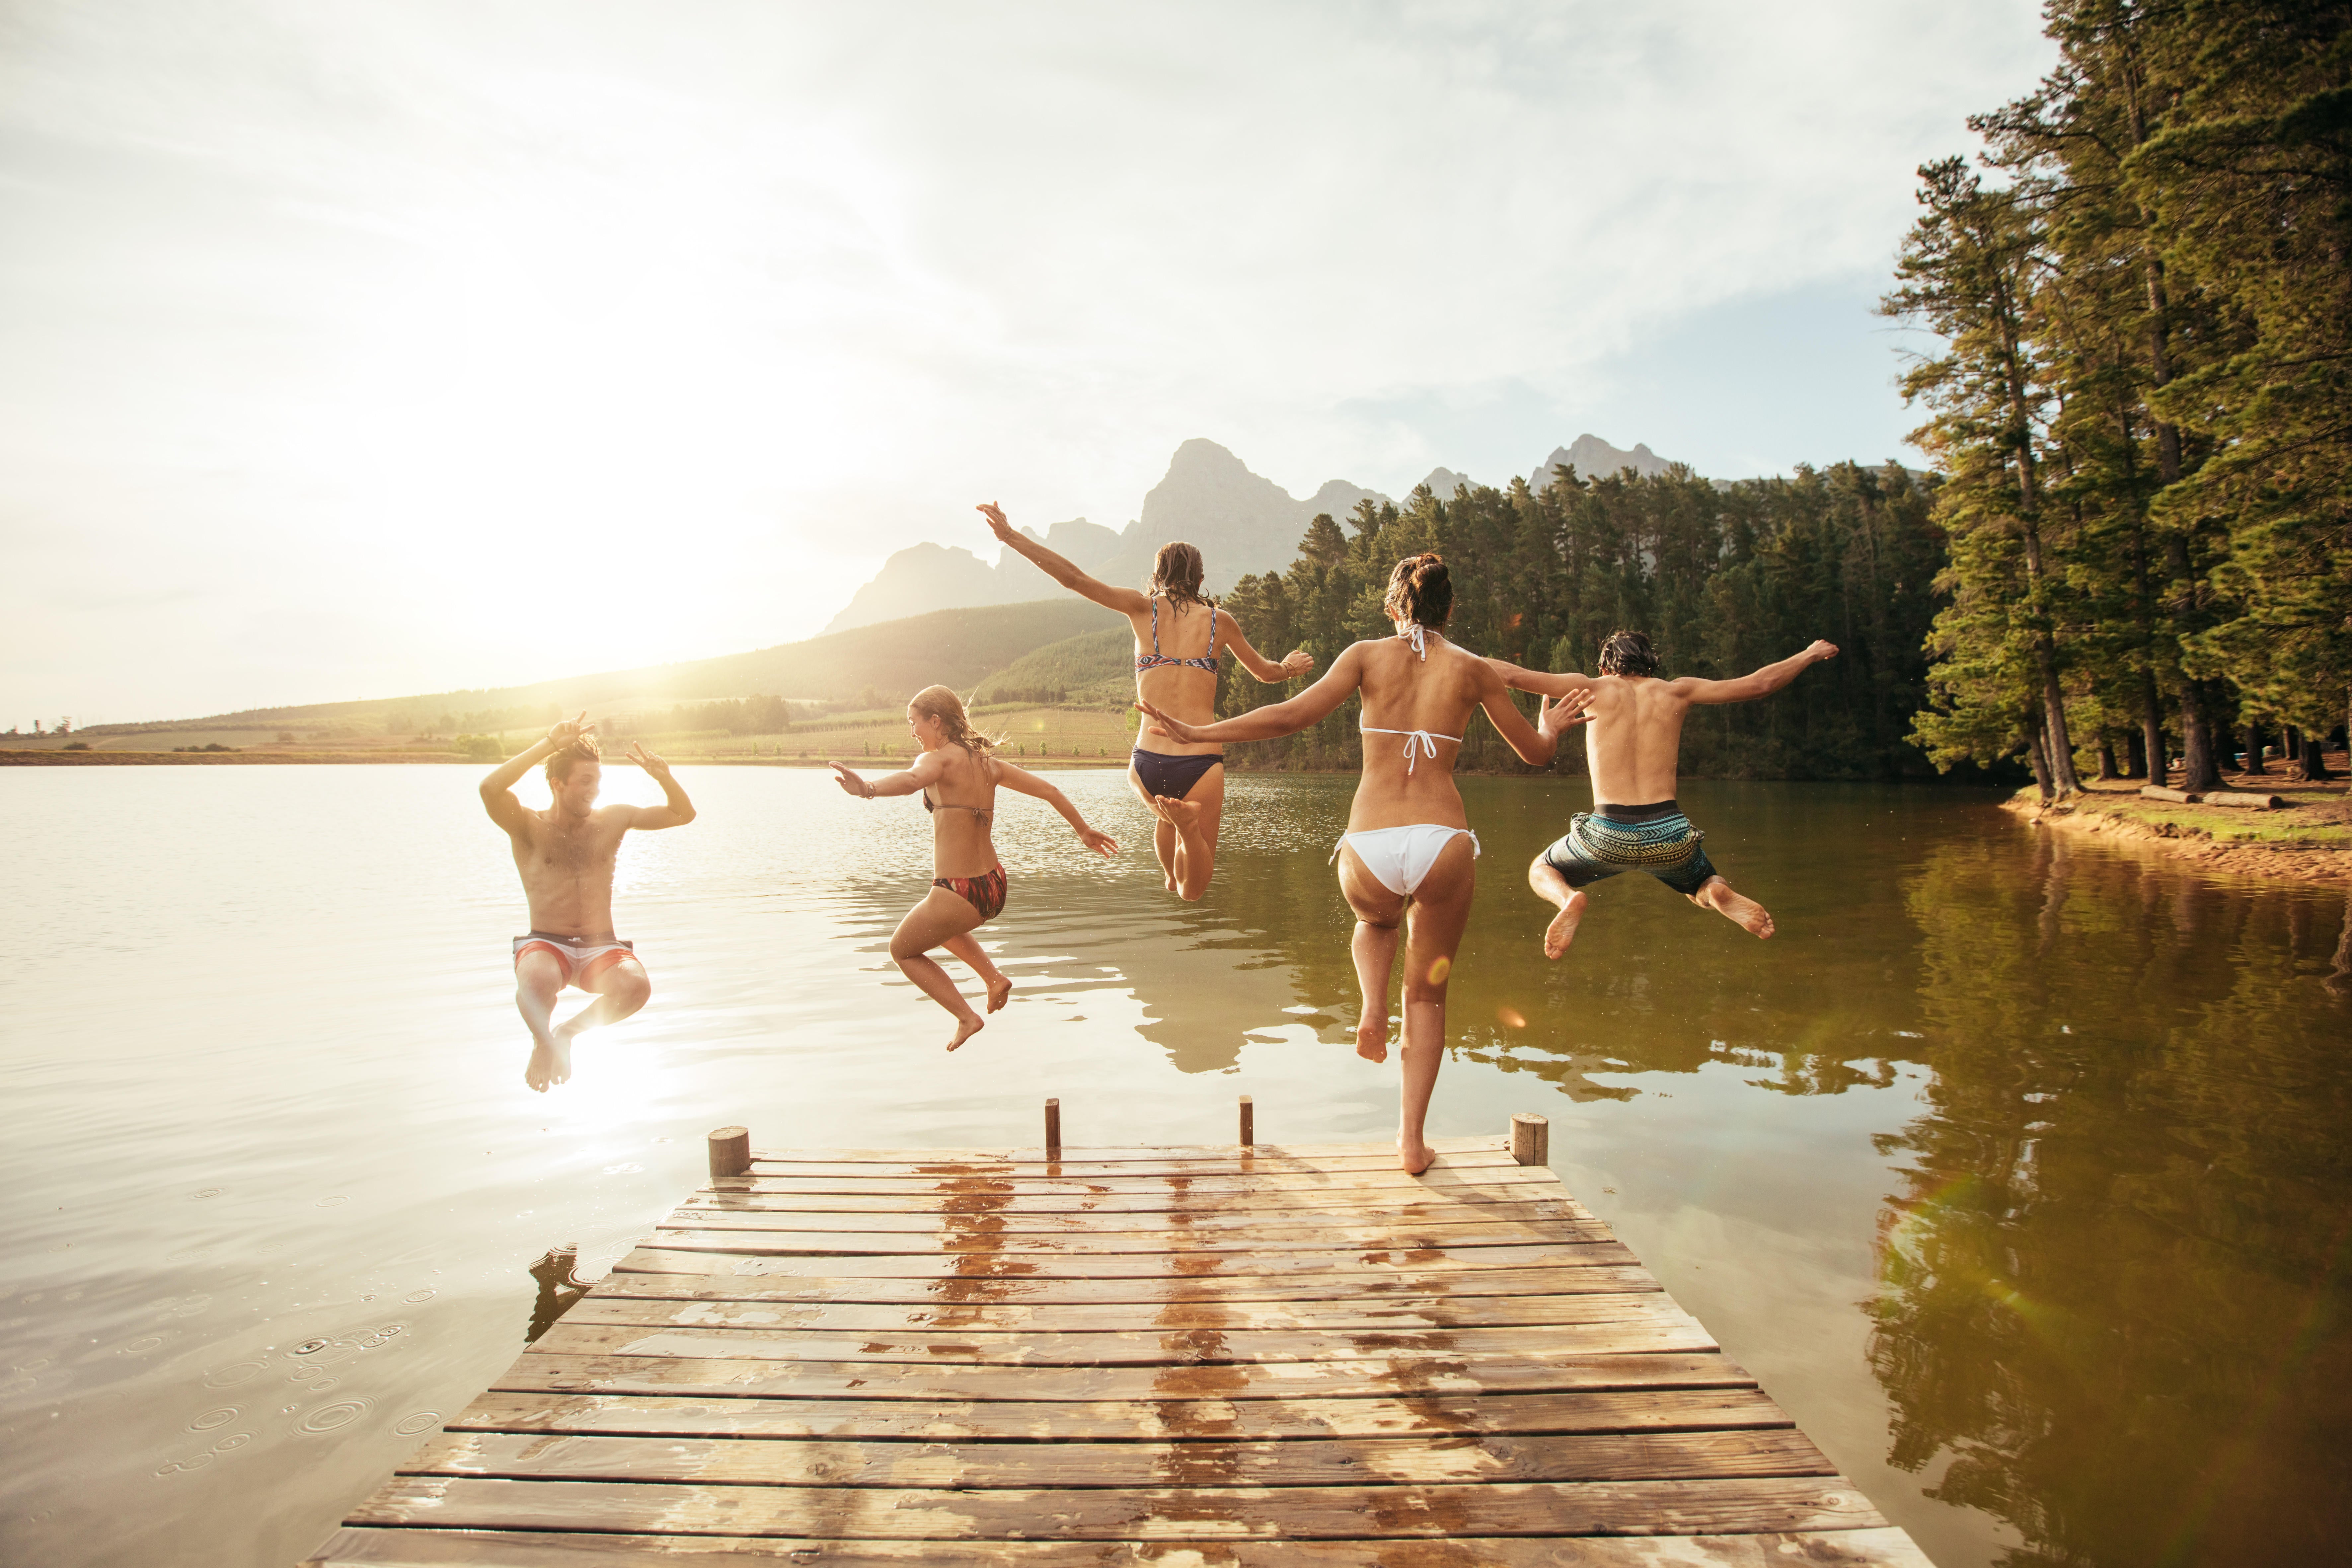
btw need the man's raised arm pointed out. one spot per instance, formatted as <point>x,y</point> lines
<point>497,790</point>
<point>1060,568</point>
<point>676,810</point>
<point>1763,683</point>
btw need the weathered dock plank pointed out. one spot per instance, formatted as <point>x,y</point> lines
<point>1072,1356</point>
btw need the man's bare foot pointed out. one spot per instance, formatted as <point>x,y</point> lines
<point>1742,911</point>
<point>1000,990</point>
<point>551,1061</point>
<point>1372,1040</point>
<point>1416,1157</point>
<point>1562,930</point>
<point>969,1027</point>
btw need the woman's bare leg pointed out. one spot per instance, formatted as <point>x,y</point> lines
<point>1379,915</point>
<point>929,924</point>
<point>1164,832</point>
<point>1441,912</point>
<point>967,948</point>
<point>1196,819</point>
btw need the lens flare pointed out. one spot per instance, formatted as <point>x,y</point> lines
<point>1512,1017</point>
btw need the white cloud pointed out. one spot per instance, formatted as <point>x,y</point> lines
<point>434,317</point>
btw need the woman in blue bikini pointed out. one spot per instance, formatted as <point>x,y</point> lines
<point>1408,856</point>
<point>1178,637</point>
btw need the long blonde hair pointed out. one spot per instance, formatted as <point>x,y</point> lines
<point>940,702</point>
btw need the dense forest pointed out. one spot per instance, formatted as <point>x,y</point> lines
<point>2143,408</point>
<point>1723,577</point>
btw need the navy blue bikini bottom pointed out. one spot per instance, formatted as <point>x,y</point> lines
<point>1172,776</point>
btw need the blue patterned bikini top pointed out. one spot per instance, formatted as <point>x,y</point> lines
<point>1155,659</point>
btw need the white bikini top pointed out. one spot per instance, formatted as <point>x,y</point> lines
<point>1425,742</point>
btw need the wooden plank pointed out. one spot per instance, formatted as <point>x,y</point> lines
<point>708,1277</point>
<point>1175,1168</point>
<point>728,1215</point>
<point>976,1276</point>
<point>1100,1243</point>
<point>1123,1513</point>
<point>1332,1155</point>
<point>1437,1180</point>
<point>1645,1325</point>
<point>1439,1417</point>
<point>364,1547</point>
<point>1427,1312</point>
<point>545,1372</point>
<point>1389,1461</point>
<point>1471,1202</point>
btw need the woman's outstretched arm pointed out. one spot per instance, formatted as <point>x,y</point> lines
<point>1297,661</point>
<point>1126,601</point>
<point>1020,781</point>
<point>926,771</point>
<point>1347,674</point>
<point>1535,744</point>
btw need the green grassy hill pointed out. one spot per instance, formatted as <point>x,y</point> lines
<point>1098,667</point>
<point>894,659</point>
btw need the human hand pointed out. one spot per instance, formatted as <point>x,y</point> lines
<point>1161,724</point>
<point>1100,843</point>
<point>563,731</point>
<point>647,759</point>
<point>997,524</point>
<point>1297,661</point>
<point>851,783</point>
<point>1821,650</point>
<point>1559,714</point>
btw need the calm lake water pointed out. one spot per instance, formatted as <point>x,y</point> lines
<point>2018,1169</point>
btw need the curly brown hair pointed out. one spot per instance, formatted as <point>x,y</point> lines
<point>564,759</point>
<point>1421,590</point>
<point>940,702</point>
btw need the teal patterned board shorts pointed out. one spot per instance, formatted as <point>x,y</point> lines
<point>1665,846</point>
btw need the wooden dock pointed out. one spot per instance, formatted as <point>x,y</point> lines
<point>1243,1355</point>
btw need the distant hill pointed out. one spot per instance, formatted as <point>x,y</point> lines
<point>896,658</point>
<point>948,576</point>
<point>1096,668</point>
<point>1244,522</point>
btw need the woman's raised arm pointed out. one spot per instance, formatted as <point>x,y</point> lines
<point>1346,675</point>
<point>1126,601</point>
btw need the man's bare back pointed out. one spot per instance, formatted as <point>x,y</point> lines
<point>565,856</point>
<point>1634,749</point>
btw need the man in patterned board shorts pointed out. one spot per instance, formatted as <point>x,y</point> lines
<point>1633,745</point>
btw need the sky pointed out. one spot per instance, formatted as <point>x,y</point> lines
<point>360,349</point>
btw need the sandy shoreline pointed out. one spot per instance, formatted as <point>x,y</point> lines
<point>2309,841</point>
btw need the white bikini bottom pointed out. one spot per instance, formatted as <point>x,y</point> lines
<point>1401,857</point>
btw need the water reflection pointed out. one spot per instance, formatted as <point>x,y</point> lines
<point>2115,1274</point>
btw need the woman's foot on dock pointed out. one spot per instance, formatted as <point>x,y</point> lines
<point>1562,930</point>
<point>1414,1157</point>
<point>967,1027</point>
<point>1741,911</point>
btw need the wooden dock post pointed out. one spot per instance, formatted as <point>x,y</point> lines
<point>1530,1139</point>
<point>730,1152</point>
<point>1249,1129</point>
<point>1052,1129</point>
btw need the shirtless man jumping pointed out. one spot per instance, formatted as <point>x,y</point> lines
<point>1633,746</point>
<point>565,855</point>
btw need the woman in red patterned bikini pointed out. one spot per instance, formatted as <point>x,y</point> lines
<point>1179,635</point>
<point>958,776</point>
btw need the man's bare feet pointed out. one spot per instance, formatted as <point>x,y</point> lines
<point>551,1060</point>
<point>967,1027</point>
<point>1372,1039</point>
<point>1416,1157</point>
<point>1740,909</point>
<point>1562,930</point>
<point>1000,991</point>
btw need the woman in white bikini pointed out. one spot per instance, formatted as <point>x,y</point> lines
<point>1408,845</point>
<point>1178,637</point>
<point>967,889</point>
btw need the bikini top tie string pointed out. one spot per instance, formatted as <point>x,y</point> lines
<point>1413,631</point>
<point>1418,743</point>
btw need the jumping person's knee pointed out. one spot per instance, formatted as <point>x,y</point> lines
<point>630,986</point>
